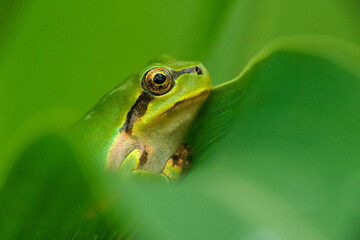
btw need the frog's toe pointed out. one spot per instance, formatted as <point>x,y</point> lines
<point>130,163</point>
<point>179,162</point>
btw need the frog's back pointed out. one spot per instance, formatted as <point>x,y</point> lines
<point>102,123</point>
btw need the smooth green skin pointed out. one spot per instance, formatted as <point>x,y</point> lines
<point>164,132</point>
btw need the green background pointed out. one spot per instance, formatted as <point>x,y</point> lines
<point>70,53</point>
<point>276,151</point>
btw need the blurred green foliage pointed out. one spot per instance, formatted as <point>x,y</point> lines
<point>276,150</point>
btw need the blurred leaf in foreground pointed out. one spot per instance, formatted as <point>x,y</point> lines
<point>45,194</point>
<point>289,162</point>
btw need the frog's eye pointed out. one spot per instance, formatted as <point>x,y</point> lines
<point>158,80</point>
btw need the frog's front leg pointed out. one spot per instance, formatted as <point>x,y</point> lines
<point>179,162</point>
<point>130,164</point>
<point>123,146</point>
<point>130,156</point>
<point>175,167</point>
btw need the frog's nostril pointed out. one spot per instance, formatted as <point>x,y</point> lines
<point>198,70</point>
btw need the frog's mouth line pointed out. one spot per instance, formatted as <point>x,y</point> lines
<point>202,95</point>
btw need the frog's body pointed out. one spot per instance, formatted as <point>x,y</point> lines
<point>150,112</point>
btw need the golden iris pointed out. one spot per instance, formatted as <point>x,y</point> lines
<point>158,80</point>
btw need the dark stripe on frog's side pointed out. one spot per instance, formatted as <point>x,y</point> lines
<point>137,111</point>
<point>143,158</point>
<point>140,107</point>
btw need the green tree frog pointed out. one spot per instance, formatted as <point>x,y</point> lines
<point>140,125</point>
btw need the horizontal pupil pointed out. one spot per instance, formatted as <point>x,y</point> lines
<point>159,78</point>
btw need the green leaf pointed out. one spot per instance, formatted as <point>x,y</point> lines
<point>46,194</point>
<point>52,192</point>
<point>33,192</point>
<point>250,25</point>
<point>283,152</point>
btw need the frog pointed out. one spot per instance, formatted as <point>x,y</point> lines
<point>139,127</point>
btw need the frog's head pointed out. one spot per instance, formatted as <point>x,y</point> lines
<point>154,107</point>
<point>170,90</point>
<point>173,85</point>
